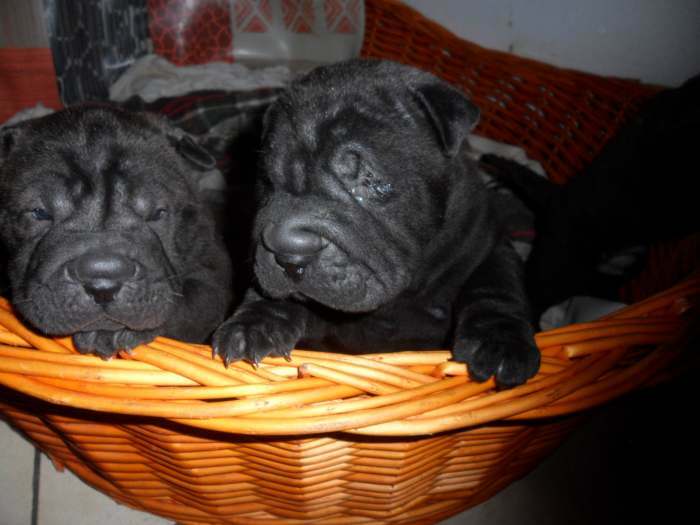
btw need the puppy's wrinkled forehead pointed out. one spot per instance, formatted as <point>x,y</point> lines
<point>89,150</point>
<point>92,157</point>
<point>309,134</point>
<point>348,98</point>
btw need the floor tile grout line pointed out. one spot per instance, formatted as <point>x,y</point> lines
<point>36,475</point>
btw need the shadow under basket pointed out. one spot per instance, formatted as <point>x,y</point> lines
<point>392,438</point>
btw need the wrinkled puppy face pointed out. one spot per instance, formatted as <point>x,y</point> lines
<point>94,207</point>
<point>354,182</point>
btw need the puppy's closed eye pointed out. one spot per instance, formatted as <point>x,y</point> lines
<point>346,163</point>
<point>40,214</point>
<point>359,176</point>
<point>157,215</point>
<point>370,187</point>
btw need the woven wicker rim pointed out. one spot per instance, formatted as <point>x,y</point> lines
<point>392,394</point>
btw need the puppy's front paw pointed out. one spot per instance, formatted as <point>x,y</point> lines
<point>498,346</point>
<point>107,343</point>
<point>256,332</point>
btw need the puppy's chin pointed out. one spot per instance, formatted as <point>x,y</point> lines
<point>355,294</point>
<point>58,312</point>
<point>333,281</point>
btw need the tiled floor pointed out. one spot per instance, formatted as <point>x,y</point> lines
<point>62,498</point>
<point>624,466</point>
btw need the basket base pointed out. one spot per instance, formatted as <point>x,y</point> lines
<point>195,477</point>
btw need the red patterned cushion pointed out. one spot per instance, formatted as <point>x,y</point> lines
<point>342,16</point>
<point>205,37</point>
<point>298,15</point>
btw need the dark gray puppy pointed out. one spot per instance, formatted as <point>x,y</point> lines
<point>374,232</point>
<point>104,233</point>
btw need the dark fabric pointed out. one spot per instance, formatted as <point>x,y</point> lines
<point>636,192</point>
<point>93,42</point>
<point>227,123</point>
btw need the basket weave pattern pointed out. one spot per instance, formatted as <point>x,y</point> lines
<point>397,438</point>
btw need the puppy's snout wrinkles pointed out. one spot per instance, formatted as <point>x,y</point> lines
<point>103,274</point>
<point>293,246</point>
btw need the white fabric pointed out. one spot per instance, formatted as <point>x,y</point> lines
<point>152,77</point>
<point>577,309</point>
<point>482,145</point>
<point>28,113</point>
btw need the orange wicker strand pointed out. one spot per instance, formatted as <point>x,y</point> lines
<point>200,374</point>
<point>16,366</point>
<point>334,423</point>
<point>201,357</point>
<point>186,393</point>
<point>409,358</point>
<point>396,438</point>
<point>360,361</point>
<point>12,339</point>
<point>492,412</point>
<point>193,409</point>
<point>11,323</point>
<point>600,345</point>
<point>370,370</point>
<point>688,288</point>
<point>605,328</point>
<point>72,359</point>
<point>370,402</point>
<point>372,387</point>
<point>613,386</point>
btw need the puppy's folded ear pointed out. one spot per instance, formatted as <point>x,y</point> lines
<point>9,137</point>
<point>185,145</point>
<point>195,154</point>
<point>452,115</point>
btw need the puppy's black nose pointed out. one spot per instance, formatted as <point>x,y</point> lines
<point>104,291</point>
<point>293,265</point>
<point>103,274</point>
<point>294,246</point>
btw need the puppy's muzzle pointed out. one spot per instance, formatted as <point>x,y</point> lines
<point>102,275</point>
<point>293,246</point>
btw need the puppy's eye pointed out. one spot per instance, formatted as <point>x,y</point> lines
<point>346,163</point>
<point>368,186</point>
<point>40,214</point>
<point>157,215</point>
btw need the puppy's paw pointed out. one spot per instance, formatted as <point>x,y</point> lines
<point>498,346</point>
<point>256,332</point>
<point>107,343</point>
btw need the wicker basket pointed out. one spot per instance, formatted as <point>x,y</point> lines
<point>328,438</point>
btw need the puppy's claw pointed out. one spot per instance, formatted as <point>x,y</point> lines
<point>500,349</point>
<point>254,337</point>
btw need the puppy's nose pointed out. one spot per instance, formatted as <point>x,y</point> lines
<point>293,265</point>
<point>103,274</point>
<point>294,246</point>
<point>103,292</point>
